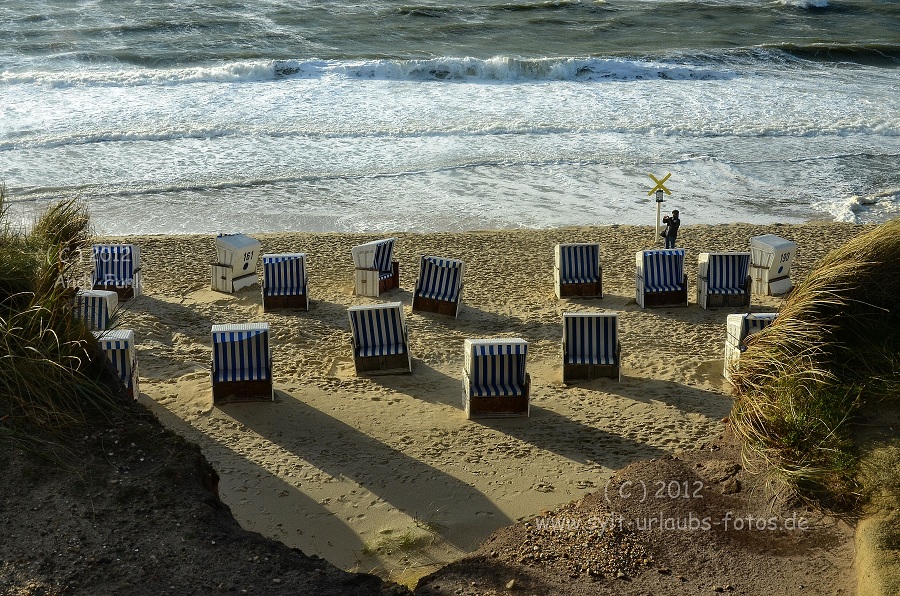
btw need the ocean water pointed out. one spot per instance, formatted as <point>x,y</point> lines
<point>270,115</point>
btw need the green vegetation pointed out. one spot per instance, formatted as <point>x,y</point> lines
<point>834,349</point>
<point>50,366</point>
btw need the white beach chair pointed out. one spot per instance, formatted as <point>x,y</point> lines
<point>737,329</point>
<point>577,270</point>
<point>380,339</point>
<point>723,279</point>
<point>284,281</point>
<point>117,268</point>
<point>376,269</point>
<point>96,308</point>
<point>241,363</point>
<point>439,286</point>
<point>770,264</point>
<point>237,258</point>
<point>118,346</point>
<point>590,346</point>
<point>495,382</point>
<point>660,279</point>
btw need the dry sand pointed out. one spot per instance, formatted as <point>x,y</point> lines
<point>358,469</point>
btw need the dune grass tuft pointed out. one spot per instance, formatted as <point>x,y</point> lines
<point>834,348</point>
<point>50,365</point>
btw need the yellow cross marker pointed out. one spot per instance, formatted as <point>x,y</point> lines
<point>659,184</point>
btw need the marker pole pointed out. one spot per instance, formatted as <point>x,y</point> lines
<point>659,202</point>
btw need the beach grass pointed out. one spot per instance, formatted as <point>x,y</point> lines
<point>833,349</point>
<point>50,367</point>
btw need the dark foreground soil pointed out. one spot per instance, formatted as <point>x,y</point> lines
<point>693,524</point>
<point>130,508</point>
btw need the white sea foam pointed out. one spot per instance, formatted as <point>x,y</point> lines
<point>491,143</point>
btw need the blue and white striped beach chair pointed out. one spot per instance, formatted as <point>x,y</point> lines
<point>376,269</point>
<point>117,267</point>
<point>439,287</point>
<point>284,281</point>
<point>380,338</point>
<point>660,279</point>
<point>577,270</point>
<point>590,346</point>
<point>118,346</point>
<point>737,329</point>
<point>241,363</point>
<point>495,381</point>
<point>96,308</point>
<point>723,279</point>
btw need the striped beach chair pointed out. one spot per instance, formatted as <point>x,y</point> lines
<point>241,363</point>
<point>590,346</point>
<point>117,268</point>
<point>723,279</point>
<point>376,269</point>
<point>380,339</point>
<point>577,270</point>
<point>495,382</point>
<point>737,329</point>
<point>119,349</point>
<point>439,286</point>
<point>660,279</point>
<point>284,281</point>
<point>96,308</point>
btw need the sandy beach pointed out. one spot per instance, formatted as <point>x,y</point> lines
<point>355,469</point>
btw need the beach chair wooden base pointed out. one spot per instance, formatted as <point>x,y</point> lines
<point>585,290</point>
<point>275,302</point>
<point>498,407</point>
<point>591,290</point>
<point>392,282</point>
<point>242,391</point>
<point>383,365</point>
<point>589,372</point>
<point>663,299</point>
<point>123,292</point>
<point>441,307</point>
<point>727,300</point>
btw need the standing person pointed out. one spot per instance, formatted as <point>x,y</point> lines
<point>672,223</point>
